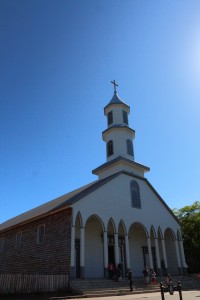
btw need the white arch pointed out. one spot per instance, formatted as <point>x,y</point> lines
<point>111,221</point>
<point>152,229</point>
<point>121,223</point>
<point>140,225</point>
<point>160,233</point>
<point>79,217</point>
<point>168,229</point>
<point>98,218</point>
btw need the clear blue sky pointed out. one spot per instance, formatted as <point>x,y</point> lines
<point>57,58</point>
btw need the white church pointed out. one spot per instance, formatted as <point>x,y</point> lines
<point>123,218</point>
<point>119,218</point>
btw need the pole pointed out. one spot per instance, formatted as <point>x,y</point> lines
<point>162,292</point>
<point>179,290</point>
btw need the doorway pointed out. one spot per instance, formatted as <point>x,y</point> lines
<point>111,254</point>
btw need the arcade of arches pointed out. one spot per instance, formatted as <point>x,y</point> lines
<point>97,244</point>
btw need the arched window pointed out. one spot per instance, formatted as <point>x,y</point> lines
<point>135,194</point>
<point>110,150</point>
<point>129,147</point>
<point>125,117</point>
<point>110,118</point>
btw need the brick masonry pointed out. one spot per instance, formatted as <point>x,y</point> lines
<point>49,257</point>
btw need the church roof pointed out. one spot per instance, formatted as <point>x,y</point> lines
<point>67,200</point>
<point>116,100</point>
<point>121,159</point>
<point>61,202</point>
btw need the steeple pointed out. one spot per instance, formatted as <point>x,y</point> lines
<point>118,135</point>
<point>119,140</point>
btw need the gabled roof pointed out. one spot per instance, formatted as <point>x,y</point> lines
<point>64,201</point>
<point>69,199</point>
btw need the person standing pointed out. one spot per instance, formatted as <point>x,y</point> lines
<point>111,270</point>
<point>130,280</point>
<point>153,277</point>
<point>118,272</point>
<point>163,267</point>
<point>146,275</point>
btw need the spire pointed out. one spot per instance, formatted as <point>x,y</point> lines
<point>116,99</point>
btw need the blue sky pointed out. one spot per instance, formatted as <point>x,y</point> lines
<point>57,59</point>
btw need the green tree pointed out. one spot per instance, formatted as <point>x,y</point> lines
<point>189,217</point>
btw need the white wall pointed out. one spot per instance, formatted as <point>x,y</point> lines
<point>113,200</point>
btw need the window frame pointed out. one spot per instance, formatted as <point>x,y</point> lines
<point>129,147</point>
<point>18,240</point>
<point>110,117</point>
<point>39,239</point>
<point>110,148</point>
<point>125,117</point>
<point>2,243</point>
<point>135,194</point>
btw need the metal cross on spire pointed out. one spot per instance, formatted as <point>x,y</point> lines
<point>115,84</point>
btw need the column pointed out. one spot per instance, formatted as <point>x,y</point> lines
<point>164,255</point>
<point>177,256</point>
<point>105,249</point>
<point>72,267</point>
<point>127,253</point>
<point>82,252</point>
<point>116,249</point>
<point>150,254</point>
<point>157,257</point>
<point>184,265</point>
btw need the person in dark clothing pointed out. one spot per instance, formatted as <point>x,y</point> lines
<point>118,272</point>
<point>146,275</point>
<point>163,267</point>
<point>130,279</point>
<point>111,270</point>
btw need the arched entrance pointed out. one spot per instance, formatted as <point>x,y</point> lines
<point>138,244</point>
<point>169,238</point>
<point>94,267</point>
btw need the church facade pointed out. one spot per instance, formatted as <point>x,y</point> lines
<point>119,218</point>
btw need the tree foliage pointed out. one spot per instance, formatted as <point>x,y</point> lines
<point>189,217</point>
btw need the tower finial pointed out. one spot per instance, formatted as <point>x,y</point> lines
<point>115,84</point>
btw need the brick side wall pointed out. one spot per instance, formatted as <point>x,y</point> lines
<point>50,257</point>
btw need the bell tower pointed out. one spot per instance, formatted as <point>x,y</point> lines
<point>118,136</point>
<point>119,140</point>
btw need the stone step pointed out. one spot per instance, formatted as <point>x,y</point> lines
<point>118,292</point>
<point>104,287</point>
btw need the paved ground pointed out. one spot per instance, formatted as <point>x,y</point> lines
<point>189,295</point>
<point>186,295</point>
